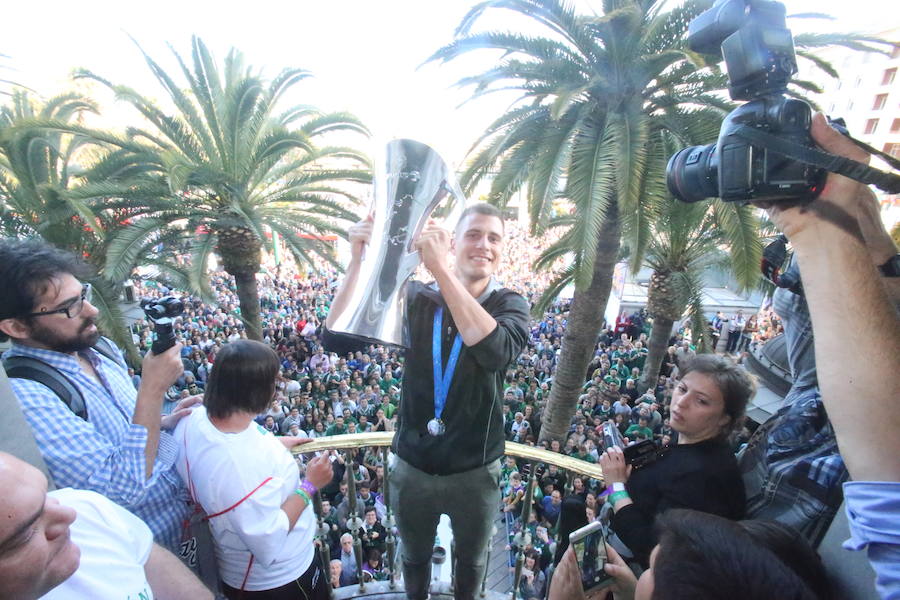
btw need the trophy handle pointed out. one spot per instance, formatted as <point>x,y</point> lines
<point>411,260</point>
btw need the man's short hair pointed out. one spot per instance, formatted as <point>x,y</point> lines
<point>482,208</point>
<point>27,269</point>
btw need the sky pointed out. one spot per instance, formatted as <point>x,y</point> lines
<point>366,56</point>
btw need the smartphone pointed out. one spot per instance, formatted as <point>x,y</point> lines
<point>612,436</point>
<point>589,544</point>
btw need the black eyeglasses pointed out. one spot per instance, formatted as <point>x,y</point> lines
<point>73,309</point>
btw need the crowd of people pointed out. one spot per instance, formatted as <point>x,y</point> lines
<point>744,332</point>
<point>319,393</point>
<point>294,388</point>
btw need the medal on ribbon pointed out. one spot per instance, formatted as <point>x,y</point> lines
<point>442,377</point>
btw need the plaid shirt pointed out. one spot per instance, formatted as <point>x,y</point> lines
<point>104,454</point>
<point>791,466</point>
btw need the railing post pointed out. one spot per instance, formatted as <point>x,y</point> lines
<point>389,522</point>
<point>354,523</point>
<point>487,561</point>
<point>523,538</point>
<point>322,538</point>
<point>453,564</point>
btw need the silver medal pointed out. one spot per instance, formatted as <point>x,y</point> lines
<point>436,427</point>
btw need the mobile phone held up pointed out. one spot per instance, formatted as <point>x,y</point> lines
<point>589,544</point>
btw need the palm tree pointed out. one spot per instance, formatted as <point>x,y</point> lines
<point>687,240</point>
<point>6,83</point>
<point>38,171</point>
<point>596,95</point>
<point>227,163</point>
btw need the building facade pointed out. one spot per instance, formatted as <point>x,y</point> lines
<point>867,97</point>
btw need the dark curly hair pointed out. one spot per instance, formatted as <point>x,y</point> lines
<point>27,269</point>
<point>706,556</point>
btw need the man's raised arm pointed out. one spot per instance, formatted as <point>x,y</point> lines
<point>360,233</point>
<point>855,322</point>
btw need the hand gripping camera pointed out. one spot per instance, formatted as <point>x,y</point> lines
<point>162,312</point>
<point>764,152</point>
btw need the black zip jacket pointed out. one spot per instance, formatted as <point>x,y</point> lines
<point>472,413</point>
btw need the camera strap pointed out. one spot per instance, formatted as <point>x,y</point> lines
<point>888,182</point>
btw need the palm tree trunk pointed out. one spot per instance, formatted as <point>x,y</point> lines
<point>656,351</point>
<point>582,331</point>
<point>111,321</point>
<point>248,296</point>
<point>241,253</point>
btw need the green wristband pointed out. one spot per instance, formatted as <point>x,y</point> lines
<point>305,495</point>
<point>616,496</point>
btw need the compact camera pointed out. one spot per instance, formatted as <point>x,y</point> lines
<point>162,312</point>
<point>637,455</point>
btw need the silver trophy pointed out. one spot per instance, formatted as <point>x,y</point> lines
<point>411,181</point>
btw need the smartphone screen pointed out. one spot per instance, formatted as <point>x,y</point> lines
<point>590,551</point>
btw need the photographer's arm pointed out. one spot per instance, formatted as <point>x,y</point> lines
<point>857,365</point>
<point>158,372</point>
<point>170,579</point>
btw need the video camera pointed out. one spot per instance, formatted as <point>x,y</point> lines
<point>162,312</point>
<point>764,152</point>
<point>637,455</point>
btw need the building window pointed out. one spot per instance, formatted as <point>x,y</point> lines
<point>871,125</point>
<point>888,77</point>
<point>892,149</point>
<point>880,101</point>
<point>895,126</point>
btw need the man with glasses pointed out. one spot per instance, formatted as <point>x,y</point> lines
<point>115,443</point>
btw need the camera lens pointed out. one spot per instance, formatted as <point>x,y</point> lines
<point>692,175</point>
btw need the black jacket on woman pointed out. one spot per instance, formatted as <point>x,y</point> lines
<point>702,476</point>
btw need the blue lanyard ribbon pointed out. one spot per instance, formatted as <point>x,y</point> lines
<point>442,378</point>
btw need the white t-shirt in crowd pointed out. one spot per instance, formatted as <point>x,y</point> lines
<point>292,388</point>
<point>115,546</point>
<point>224,468</point>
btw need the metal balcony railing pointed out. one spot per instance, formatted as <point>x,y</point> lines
<point>382,440</point>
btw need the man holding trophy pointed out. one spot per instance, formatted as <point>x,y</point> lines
<point>462,331</point>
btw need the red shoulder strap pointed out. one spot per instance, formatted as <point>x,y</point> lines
<point>236,504</point>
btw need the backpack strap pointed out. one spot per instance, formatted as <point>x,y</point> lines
<point>26,367</point>
<point>104,347</point>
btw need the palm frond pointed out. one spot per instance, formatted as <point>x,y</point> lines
<point>553,290</point>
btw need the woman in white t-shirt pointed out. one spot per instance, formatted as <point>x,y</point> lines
<point>248,483</point>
